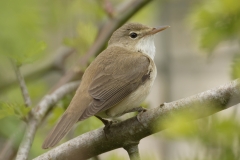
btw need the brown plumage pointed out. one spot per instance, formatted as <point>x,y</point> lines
<point>118,80</point>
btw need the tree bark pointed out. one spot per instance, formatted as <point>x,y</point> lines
<point>134,129</point>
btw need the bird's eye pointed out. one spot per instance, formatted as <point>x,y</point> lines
<point>133,35</point>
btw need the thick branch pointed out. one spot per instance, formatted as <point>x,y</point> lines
<point>38,113</point>
<point>134,129</point>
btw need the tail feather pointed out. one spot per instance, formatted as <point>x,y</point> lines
<point>68,119</point>
<point>60,130</point>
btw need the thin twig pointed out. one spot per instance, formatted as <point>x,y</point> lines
<point>22,84</point>
<point>8,151</point>
<point>145,124</point>
<point>57,64</point>
<point>38,113</point>
<point>107,6</point>
<point>63,54</point>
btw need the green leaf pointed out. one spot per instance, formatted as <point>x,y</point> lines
<point>216,21</point>
<point>6,110</point>
<point>20,25</point>
<point>13,109</point>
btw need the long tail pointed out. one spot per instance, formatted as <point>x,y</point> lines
<point>61,129</point>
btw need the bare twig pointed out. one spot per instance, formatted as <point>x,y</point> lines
<point>38,113</point>
<point>8,151</point>
<point>147,123</point>
<point>63,54</point>
<point>56,65</point>
<point>22,84</point>
<point>107,6</point>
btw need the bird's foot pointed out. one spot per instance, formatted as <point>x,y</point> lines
<point>137,109</point>
<point>104,121</point>
<point>141,110</point>
<point>161,105</point>
<point>106,128</point>
<point>107,124</point>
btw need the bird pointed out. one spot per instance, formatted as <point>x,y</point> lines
<point>115,83</point>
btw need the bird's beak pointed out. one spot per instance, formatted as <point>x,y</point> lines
<point>158,29</point>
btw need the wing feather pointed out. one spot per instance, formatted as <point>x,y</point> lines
<point>115,83</point>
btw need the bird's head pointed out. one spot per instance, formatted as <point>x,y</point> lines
<point>136,37</point>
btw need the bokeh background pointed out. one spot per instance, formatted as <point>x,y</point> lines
<point>200,51</point>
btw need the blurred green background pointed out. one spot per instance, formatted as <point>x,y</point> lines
<point>200,51</point>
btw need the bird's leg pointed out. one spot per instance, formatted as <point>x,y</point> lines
<point>104,121</point>
<point>139,109</point>
<point>107,124</point>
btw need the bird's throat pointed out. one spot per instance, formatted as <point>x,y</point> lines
<point>146,46</point>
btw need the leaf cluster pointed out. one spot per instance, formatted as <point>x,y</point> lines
<point>218,21</point>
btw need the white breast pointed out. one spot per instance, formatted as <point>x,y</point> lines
<point>146,46</point>
<point>134,99</point>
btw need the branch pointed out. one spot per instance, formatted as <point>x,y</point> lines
<point>107,6</point>
<point>37,115</point>
<point>132,149</point>
<point>62,54</point>
<point>8,151</point>
<point>136,128</point>
<point>22,84</point>
<point>57,64</point>
<point>121,16</point>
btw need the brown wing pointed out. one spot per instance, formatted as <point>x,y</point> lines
<point>110,83</point>
<point>116,82</point>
